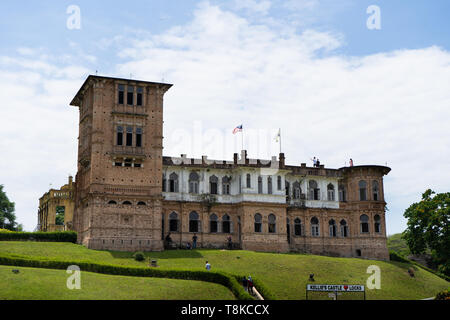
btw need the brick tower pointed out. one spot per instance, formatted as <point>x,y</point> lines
<point>118,200</point>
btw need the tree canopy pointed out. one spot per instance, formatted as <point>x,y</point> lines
<point>429,227</point>
<point>7,213</point>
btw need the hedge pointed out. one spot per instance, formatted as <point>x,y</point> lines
<point>262,289</point>
<point>222,278</point>
<point>394,256</point>
<point>66,236</point>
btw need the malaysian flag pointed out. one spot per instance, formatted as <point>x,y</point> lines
<point>237,129</point>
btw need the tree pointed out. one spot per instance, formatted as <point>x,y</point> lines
<point>60,211</point>
<point>429,228</point>
<point>7,215</point>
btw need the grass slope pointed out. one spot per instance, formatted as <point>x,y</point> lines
<point>286,275</point>
<point>45,284</point>
<point>397,244</point>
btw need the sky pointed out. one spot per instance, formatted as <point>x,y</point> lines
<point>339,79</point>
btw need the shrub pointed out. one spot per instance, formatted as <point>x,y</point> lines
<point>139,256</point>
<point>395,256</point>
<point>66,236</point>
<point>443,295</point>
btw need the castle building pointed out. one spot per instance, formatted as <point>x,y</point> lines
<point>129,197</point>
<point>53,202</point>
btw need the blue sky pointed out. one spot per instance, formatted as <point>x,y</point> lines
<point>405,24</point>
<point>312,67</point>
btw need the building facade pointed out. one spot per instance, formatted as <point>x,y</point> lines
<point>53,202</point>
<point>129,197</point>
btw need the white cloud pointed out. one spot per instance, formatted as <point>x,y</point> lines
<point>385,108</point>
<point>39,130</point>
<point>257,6</point>
<point>227,70</point>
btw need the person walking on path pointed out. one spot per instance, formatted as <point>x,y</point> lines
<point>250,284</point>
<point>208,266</point>
<point>245,283</point>
<point>194,241</point>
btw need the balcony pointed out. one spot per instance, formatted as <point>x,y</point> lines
<point>130,110</point>
<point>128,151</point>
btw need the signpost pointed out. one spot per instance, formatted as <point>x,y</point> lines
<point>335,288</point>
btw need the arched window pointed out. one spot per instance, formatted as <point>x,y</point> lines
<point>193,182</point>
<point>226,185</point>
<point>279,182</point>
<point>260,185</point>
<point>258,223</point>
<point>344,228</point>
<point>194,223</point>
<point>269,185</point>
<point>213,223</point>
<point>126,203</point>
<point>314,191</point>
<point>330,192</point>
<point>272,223</point>
<point>173,182</point>
<point>364,223</point>
<point>342,196</point>
<point>226,224</point>
<point>298,227</point>
<point>375,190</point>
<point>141,203</point>
<point>112,202</point>
<point>297,190</point>
<point>377,223</point>
<point>362,190</point>
<point>213,180</point>
<point>173,222</point>
<point>164,183</point>
<point>315,227</point>
<point>249,180</point>
<point>332,228</point>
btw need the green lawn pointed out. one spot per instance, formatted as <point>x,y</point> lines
<point>286,275</point>
<point>45,284</point>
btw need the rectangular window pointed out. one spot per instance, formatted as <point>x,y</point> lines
<point>137,165</point>
<point>118,164</point>
<point>140,91</point>
<point>121,93</point>
<point>120,136</point>
<point>128,163</point>
<point>139,137</point>
<point>130,95</point>
<point>129,136</point>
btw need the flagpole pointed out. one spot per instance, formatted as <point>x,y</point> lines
<point>280,140</point>
<point>242,136</point>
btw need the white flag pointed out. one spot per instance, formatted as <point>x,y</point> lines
<point>278,136</point>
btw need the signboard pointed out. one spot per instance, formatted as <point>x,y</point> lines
<point>335,287</point>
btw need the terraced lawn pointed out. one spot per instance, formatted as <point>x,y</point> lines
<point>46,284</point>
<point>286,275</point>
